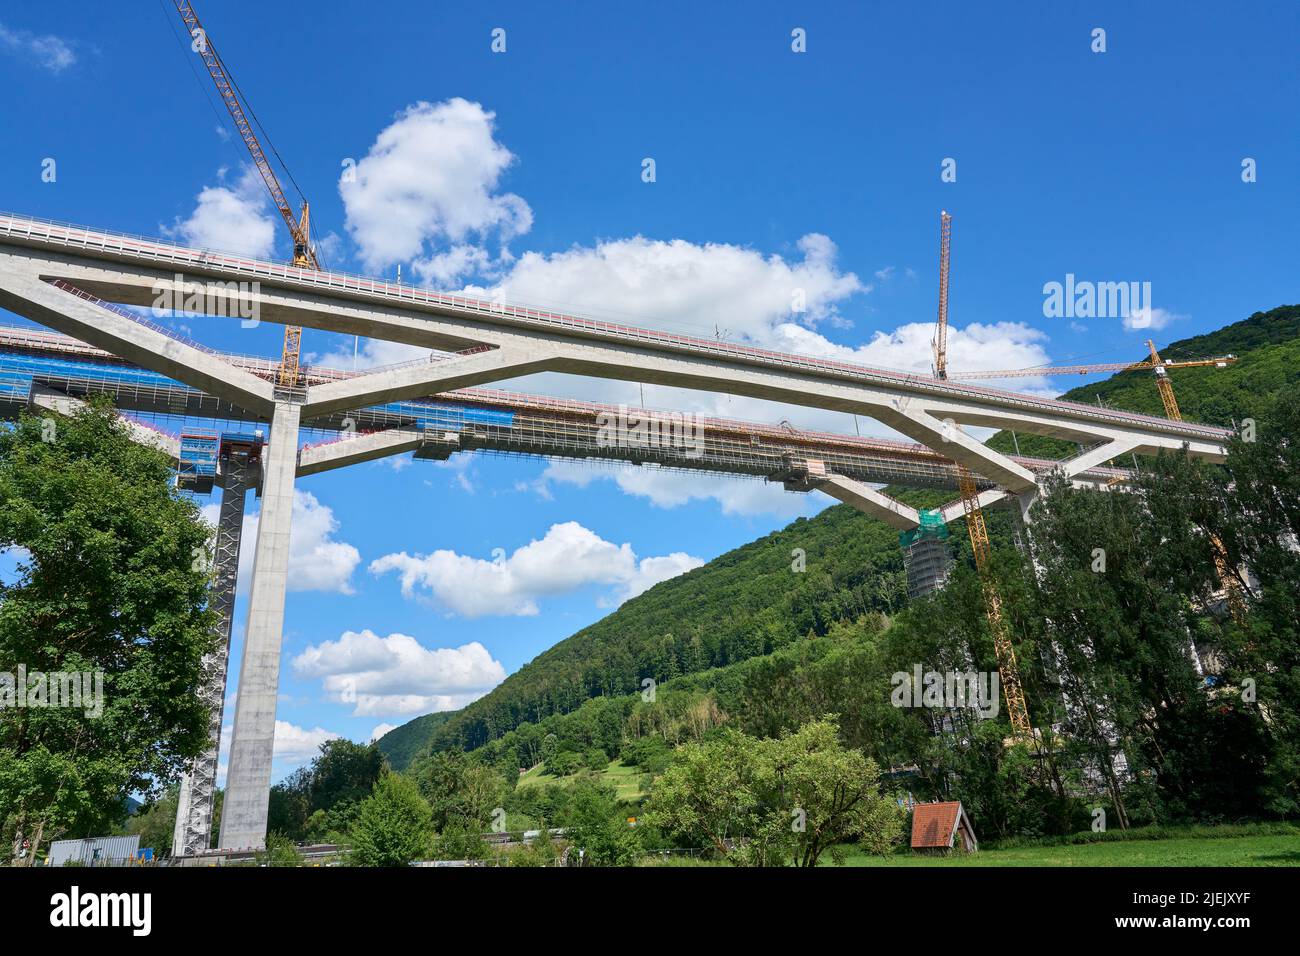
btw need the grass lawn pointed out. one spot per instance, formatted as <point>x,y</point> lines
<point>625,780</point>
<point>1178,851</point>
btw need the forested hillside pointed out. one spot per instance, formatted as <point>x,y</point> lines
<point>745,603</point>
<point>403,744</point>
<point>748,603</point>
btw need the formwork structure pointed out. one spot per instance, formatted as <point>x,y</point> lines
<point>927,556</point>
<point>240,458</point>
<point>491,419</point>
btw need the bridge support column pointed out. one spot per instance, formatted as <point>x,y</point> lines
<point>248,781</point>
<point>193,833</point>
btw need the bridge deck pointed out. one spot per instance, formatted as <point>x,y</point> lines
<point>496,420</point>
<point>153,252</point>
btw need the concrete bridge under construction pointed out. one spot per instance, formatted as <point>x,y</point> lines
<point>75,280</point>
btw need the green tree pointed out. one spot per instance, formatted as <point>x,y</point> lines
<point>777,801</point>
<point>541,852</point>
<point>111,578</point>
<point>394,824</point>
<point>819,795</point>
<point>460,840</point>
<point>1245,753</point>
<point>705,795</point>
<point>156,823</point>
<point>1121,640</point>
<point>595,823</point>
<point>344,772</point>
<point>462,792</point>
<point>320,801</point>
<point>280,851</point>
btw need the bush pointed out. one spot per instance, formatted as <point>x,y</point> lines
<point>651,754</point>
<point>394,825</point>
<point>280,851</point>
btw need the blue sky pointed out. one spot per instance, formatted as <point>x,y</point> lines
<point>522,171</point>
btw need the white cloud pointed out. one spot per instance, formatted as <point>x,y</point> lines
<point>380,730</point>
<point>568,558</point>
<point>233,219</point>
<point>398,675</point>
<point>10,558</point>
<point>1149,318</point>
<point>700,288</point>
<point>426,193</point>
<point>15,553</point>
<point>317,562</point>
<point>49,52</point>
<point>971,348</point>
<point>650,571</point>
<point>297,745</point>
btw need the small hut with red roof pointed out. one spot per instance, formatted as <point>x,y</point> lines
<point>941,827</point>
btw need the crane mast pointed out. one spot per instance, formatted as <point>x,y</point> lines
<point>1162,384</point>
<point>300,225</point>
<point>1231,588</point>
<point>1008,668</point>
<point>941,325</point>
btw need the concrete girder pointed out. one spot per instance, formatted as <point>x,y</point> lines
<point>134,285</point>
<point>358,448</point>
<point>870,501</point>
<point>1080,431</point>
<point>23,292</point>
<point>955,509</point>
<point>422,380</point>
<point>1069,468</point>
<point>943,436</point>
<point>441,325</point>
<point>1096,456</point>
<point>796,389</point>
<point>517,354</point>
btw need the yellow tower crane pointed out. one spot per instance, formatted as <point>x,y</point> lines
<point>304,256</point>
<point>1231,587</point>
<point>1008,668</point>
<point>1161,367</point>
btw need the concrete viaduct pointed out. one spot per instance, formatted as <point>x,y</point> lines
<point>57,275</point>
